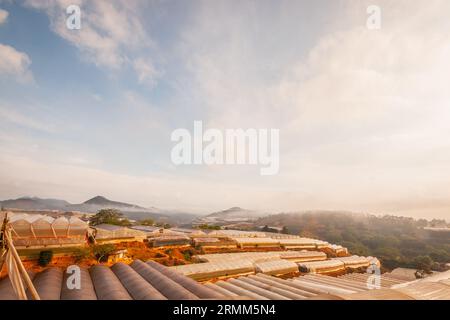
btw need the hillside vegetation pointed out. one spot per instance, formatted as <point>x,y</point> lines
<point>396,241</point>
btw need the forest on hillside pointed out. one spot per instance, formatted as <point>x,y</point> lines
<point>396,241</point>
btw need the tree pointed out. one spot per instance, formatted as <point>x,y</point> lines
<point>147,222</point>
<point>109,216</point>
<point>208,227</point>
<point>423,263</point>
<point>163,225</point>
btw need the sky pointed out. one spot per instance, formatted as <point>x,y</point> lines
<point>363,114</point>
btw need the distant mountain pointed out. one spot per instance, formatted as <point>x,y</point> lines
<point>34,203</point>
<point>231,215</point>
<point>99,200</point>
<point>97,203</point>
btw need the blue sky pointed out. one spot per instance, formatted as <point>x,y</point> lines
<point>360,112</point>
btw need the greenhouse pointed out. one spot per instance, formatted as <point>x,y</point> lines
<point>35,230</point>
<point>112,233</point>
<point>326,266</point>
<point>169,240</point>
<point>301,243</point>
<point>209,243</point>
<point>150,230</point>
<point>304,255</point>
<point>236,234</point>
<point>276,267</point>
<point>295,256</point>
<point>354,262</point>
<point>203,241</point>
<point>257,242</point>
<point>339,250</point>
<point>210,270</point>
<point>190,232</point>
<point>275,235</point>
<point>238,256</point>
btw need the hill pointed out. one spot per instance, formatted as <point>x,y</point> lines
<point>396,241</point>
<point>229,216</point>
<point>102,201</point>
<point>34,203</point>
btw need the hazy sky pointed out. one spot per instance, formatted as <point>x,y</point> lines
<point>364,115</point>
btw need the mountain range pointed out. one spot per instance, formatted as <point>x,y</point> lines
<point>135,212</point>
<point>97,203</point>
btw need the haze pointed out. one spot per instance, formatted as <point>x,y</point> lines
<point>363,114</point>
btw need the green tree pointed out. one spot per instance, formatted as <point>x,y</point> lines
<point>163,225</point>
<point>147,222</point>
<point>423,263</point>
<point>109,216</point>
<point>208,227</point>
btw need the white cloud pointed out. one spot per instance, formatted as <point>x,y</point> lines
<point>362,114</point>
<point>15,64</point>
<point>111,34</point>
<point>3,16</point>
<point>12,116</point>
<point>146,71</point>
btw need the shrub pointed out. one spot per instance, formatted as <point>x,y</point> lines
<point>187,255</point>
<point>45,257</point>
<point>102,252</point>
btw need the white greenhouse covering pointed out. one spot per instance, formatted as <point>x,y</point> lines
<point>32,230</point>
<point>275,235</point>
<point>259,256</point>
<point>305,243</point>
<point>61,226</point>
<point>357,261</point>
<point>238,256</point>
<point>257,242</point>
<point>189,232</point>
<point>322,266</point>
<point>209,270</point>
<point>275,267</point>
<point>304,255</point>
<point>236,234</point>
<point>147,229</point>
<point>111,232</point>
